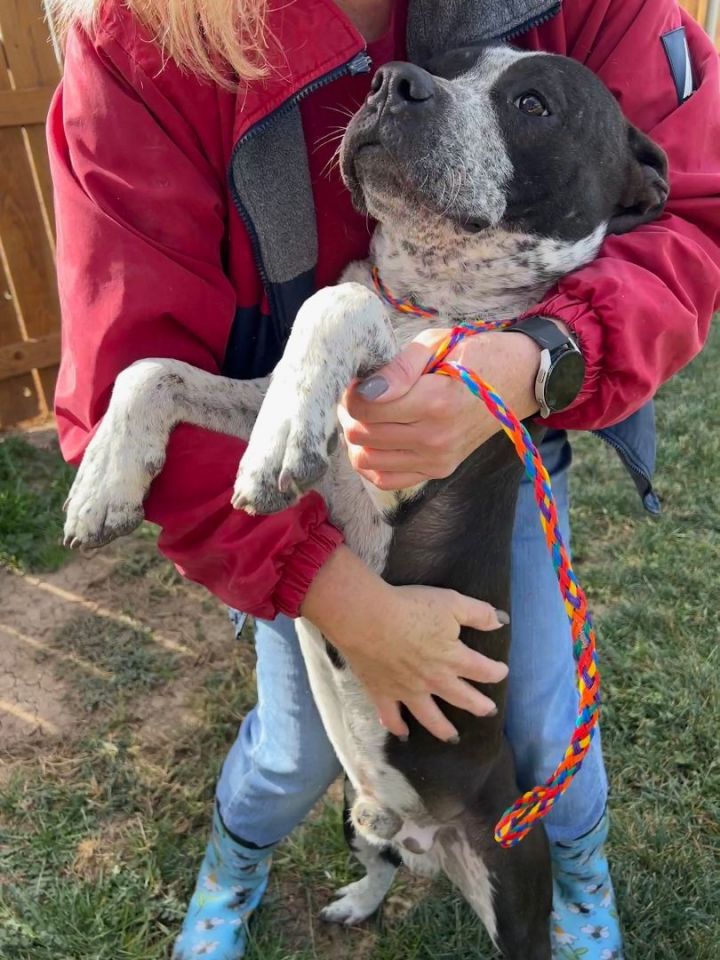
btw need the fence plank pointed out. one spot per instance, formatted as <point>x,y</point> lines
<point>19,398</point>
<point>696,8</point>
<point>23,236</point>
<point>29,355</point>
<point>26,216</point>
<point>30,54</point>
<point>20,108</point>
<point>32,58</point>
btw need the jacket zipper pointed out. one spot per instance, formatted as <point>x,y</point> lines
<point>360,63</point>
<point>532,23</point>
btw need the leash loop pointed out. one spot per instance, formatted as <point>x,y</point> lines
<point>535,804</point>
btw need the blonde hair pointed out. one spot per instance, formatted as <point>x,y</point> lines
<point>213,38</point>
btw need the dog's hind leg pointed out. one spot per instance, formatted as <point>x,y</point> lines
<point>358,901</point>
<point>128,450</point>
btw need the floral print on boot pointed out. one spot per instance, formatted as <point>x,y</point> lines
<point>230,885</point>
<point>584,924</point>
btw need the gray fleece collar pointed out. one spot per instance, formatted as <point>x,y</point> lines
<point>434,27</point>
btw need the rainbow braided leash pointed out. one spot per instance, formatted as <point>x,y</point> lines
<point>531,807</point>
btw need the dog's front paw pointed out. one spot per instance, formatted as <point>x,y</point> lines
<point>105,500</point>
<point>280,466</point>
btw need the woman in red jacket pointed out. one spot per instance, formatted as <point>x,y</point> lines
<point>168,246</point>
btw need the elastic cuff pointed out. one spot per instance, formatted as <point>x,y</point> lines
<point>302,568</point>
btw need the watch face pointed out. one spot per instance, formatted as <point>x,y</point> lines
<point>564,380</point>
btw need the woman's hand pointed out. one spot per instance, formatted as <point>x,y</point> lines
<point>403,428</point>
<point>403,642</point>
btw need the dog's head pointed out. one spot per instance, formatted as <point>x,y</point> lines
<point>489,136</point>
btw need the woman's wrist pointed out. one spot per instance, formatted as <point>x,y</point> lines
<point>343,596</point>
<point>509,364</point>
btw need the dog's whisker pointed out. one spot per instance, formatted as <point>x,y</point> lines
<point>347,112</point>
<point>332,163</point>
<point>334,135</point>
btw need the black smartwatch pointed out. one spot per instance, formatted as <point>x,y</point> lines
<point>562,368</point>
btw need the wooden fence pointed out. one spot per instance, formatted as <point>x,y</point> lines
<point>706,12</point>
<point>29,324</point>
<point>29,315</point>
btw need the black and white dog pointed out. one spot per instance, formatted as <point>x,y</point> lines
<point>491,174</point>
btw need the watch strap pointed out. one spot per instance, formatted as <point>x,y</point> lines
<point>556,350</point>
<point>544,332</point>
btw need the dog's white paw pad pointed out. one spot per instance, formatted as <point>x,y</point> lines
<point>106,499</point>
<point>354,904</point>
<point>96,523</point>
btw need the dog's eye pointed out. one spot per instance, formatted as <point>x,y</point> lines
<point>474,225</point>
<point>532,104</point>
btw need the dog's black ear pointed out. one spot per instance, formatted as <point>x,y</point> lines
<point>646,189</point>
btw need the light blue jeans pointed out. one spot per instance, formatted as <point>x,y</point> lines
<point>282,761</point>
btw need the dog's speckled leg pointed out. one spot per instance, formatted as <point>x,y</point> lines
<point>149,399</point>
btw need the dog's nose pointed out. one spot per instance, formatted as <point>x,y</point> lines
<point>398,86</point>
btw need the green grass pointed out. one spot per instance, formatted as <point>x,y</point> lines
<point>126,661</point>
<point>33,486</point>
<point>99,842</point>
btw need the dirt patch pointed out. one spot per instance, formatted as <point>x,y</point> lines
<point>49,653</point>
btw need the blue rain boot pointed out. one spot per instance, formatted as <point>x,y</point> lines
<point>584,922</point>
<point>230,885</point>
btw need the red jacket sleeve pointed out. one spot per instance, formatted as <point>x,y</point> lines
<point>141,214</point>
<point>642,310</point>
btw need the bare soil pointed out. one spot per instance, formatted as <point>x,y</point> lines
<point>121,585</point>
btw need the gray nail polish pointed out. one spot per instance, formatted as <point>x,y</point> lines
<point>454,740</point>
<point>404,738</point>
<point>503,617</point>
<point>373,387</point>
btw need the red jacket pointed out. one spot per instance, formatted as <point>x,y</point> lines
<point>154,259</point>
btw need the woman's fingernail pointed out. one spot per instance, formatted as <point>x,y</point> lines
<point>373,387</point>
<point>403,738</point>
<point>454,740</point>
<point>493,712</point>
<point>503,617</point>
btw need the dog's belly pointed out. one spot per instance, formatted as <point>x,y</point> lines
<point>457,537</point>
<point>349,716</point>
